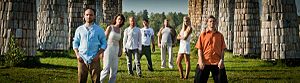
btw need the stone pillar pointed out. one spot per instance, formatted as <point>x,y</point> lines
<point>99,10</point>
<point>279,32</point>
<point>246,28</point>
<point>195,13</point>
<point>18,21</point>
<point>210,7</point>
<point>75,17</point>
<point>110,9</point>
<point>52,29</point>
<point>226,21</point>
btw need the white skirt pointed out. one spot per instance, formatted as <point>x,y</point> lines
<point>184,47</point>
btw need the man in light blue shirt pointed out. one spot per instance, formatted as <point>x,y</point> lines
<point>89,42</point>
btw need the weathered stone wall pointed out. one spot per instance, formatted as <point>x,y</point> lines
<point>17,21</point>
<point>110,9</point>
<point>195,13</point>
<point>246,28</point>
<point>52,29</point>
<point>210,7</point>
<point>226,21</point>
<point>75,17</point>
<point>280,37</point>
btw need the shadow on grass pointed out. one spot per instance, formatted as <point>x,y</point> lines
<point>51,66</point>
<point>56,54</point>
<point>47,66</point>
<point>256,70</point>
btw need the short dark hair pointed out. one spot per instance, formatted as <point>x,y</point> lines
<point>146,20</point>
<point>211,16</point>
<point>88,8</point>
<point>208,17</point>
<point>115,19</point>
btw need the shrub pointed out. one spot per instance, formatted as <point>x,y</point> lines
<point>15,55</point>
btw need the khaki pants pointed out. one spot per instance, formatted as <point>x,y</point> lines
<point>93,69</point>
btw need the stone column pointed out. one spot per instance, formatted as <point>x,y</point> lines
<point>195,13</point>
<point>110,9</point>
<point>18,21</point>
<point>52,29</point>
<point>226,21</point>
<point>279,32</point>
<point>210,7</point>
<point>75,17</point>
<point>246,28</point>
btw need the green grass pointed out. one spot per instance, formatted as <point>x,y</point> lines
<point>64,69</point>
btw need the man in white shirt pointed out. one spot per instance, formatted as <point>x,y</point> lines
<point>165,41</point>
<point>132,46</point>
<point>147,40</point>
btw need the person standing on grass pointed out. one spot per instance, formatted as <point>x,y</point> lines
<point>147,39</point>
<point>184,48</point>
<point>133,46</point>
<point>211,48</point>
<point>89,42</point>
<point>165,41</point>
<point>114,49</point>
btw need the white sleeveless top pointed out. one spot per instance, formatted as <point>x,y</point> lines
<point>114,37</point>
<point>184,46</point>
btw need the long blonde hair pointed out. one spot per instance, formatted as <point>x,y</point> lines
<point>183,24</point>
<point>186,26</point>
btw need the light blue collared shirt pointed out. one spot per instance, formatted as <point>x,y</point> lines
<point>88,41</point>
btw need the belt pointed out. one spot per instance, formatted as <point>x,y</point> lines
<point>146,45</point>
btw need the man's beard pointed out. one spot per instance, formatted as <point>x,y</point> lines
<point>89,21</point>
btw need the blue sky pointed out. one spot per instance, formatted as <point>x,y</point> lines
<point>156,6</point>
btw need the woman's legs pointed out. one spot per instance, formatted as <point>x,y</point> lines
<point>188,65</point>
<point>179,65</point>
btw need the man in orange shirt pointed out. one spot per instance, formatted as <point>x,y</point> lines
<point>211,48</point>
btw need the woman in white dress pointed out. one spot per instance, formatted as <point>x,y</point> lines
<point>184,48</point>
<point>113,50</point>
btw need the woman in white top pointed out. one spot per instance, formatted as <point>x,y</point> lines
<point>184,49</point>
<point>113,50</point>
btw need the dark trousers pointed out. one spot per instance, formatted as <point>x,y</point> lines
<point>135,54</point>
<point>146,50</point>
<point>219,75</point>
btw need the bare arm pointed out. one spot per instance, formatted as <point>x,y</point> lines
<point>188,31</point>
<point>120,48</point>
<point>108,29</point>
<point>153,44</point>
<point>221,63</point>
<point>140,40</point>
<point>159,36</point>
<point>200,59</point>
<point>76,52</point>
<point>124,38</point>
<point>179,36</point>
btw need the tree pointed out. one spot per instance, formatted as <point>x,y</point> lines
<point>145,14</point>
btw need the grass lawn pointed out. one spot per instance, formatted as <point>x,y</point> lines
<point>64,69</point>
